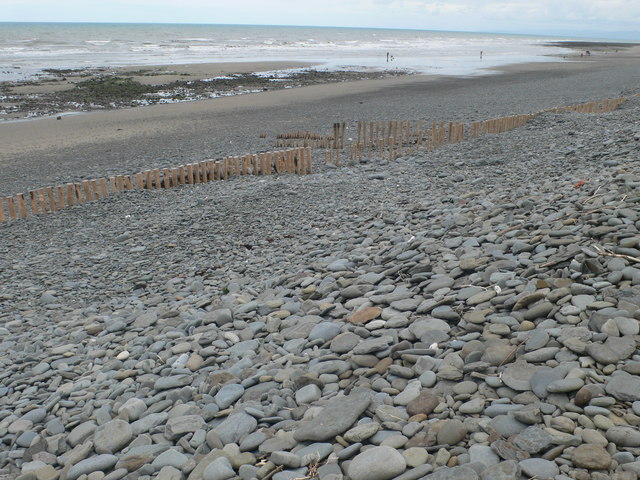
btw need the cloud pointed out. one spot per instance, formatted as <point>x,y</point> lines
<point>477,15</point>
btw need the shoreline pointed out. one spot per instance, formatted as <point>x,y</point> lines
<point>94,89</point>
<point>46,151</point>
<point>70,91</point>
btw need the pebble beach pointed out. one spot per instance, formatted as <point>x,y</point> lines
<point>468,312</point>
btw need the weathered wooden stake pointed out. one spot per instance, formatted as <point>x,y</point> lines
<point>34,202</point>
<point>52,199</point>
<point>190,173</point>
<point>94,189</point>
<point>60,194</point>
<point>2,217</point>
<point>70,194</point>
<point>11,207</point>
<point>87,191</point>
<point>79,193</point>
<point>22,208</point>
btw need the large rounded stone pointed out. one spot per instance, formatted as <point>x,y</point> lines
<point>335,418</point>
<point>624,387</point>
<point>451,432</point>
<point>424,403</point>
<point>98,463</point>
<point>624,436</point>
<point>377,463</point>
<point>112,436</point>
<point>592,457</point>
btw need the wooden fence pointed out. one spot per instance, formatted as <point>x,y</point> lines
<point>51,199</point>
<point>388,139</point>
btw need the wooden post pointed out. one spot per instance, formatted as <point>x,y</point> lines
<point>203,169</point>
<point>263,163</point>
<point>128,182</point>
<point>181,175</point>
<point>22,208</point>
<point>34,202</point>
<point>79,193</point>
<point>11,207</point>
<point>174,177</point>
<point>166,178</point>
<point>310,160</point>
<point>87,190</point>
<point>71,194</point>
<point>52,200</point>
<point>95,191</point>
<point>104,192</point>
<point>139,180</point>
<point>156,178</point>
<point>2,217</point>
<point>120,183</point>
<point>190,173</point>
<point>148,180</point>
<point>289,157</point>
<point>42,200</point>
<point>61,202</point>
<point>225,168</point>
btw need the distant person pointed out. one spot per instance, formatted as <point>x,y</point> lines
<point>480,54</point>
<point>387,57</point>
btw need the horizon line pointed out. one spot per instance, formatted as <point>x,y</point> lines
<point>576,35</point>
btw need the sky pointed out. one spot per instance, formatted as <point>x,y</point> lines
<point>592,18</point>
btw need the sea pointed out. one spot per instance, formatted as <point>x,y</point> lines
<point>28,49</point>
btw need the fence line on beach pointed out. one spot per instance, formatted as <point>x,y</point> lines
<point>391,138</point>
<point>51,199</point>
<point>387,139</point>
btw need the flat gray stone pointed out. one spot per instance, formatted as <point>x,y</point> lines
<point>624,436</point>
<point>508,470</point>
<point>112,437</point>
<point>98,463</point>
<point>235,427</point>
<point>539,468</point>
<point>219,469</point>
<point>174,381</point>
<point>178,426</point>
<point>228,394</point>
<point>624,387</point>
<point>533,440</point>
<point>377,463</point>
<point>518,375</point>
<point>335,418</point>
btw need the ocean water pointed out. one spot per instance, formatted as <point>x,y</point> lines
<point>26,49</point>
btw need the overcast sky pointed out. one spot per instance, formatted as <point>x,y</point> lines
<point>570,17</point>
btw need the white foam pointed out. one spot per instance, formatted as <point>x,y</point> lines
<point>34,46</point>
